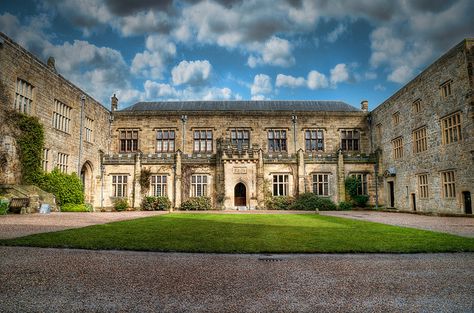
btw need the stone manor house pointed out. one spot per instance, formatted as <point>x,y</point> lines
<point>414,152</point>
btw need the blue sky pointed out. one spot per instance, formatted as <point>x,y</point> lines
<point>147,50</point>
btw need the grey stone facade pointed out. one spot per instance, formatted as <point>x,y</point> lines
<point>237,176</point>
<point>455,68</point>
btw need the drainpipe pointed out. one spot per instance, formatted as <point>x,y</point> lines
<point>83,101</point>
<point>294,118</point>
<point>184,118</point>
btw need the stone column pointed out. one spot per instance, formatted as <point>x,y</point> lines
<point>260,180</point>
<point>136,192</point>
<point>341,187</point>
<point>301,173</point>
<point>177,180</point>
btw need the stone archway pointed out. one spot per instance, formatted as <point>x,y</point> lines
<point>240,195</point>
<point>87,181</point>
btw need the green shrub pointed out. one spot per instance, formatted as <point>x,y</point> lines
<point>352,186</point>
<point>309,201</point>
<point>3,206</point>
<point>156,204</point>
<point>361,200</point>
<point>120,204</point>
<point>196,203</point>
<point>72,207</point>
<point>343,205</point>
<point>67,188</point>
<point>279,203</point>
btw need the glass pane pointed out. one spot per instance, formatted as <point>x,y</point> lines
<point>204,179</point>
<point>209,146</point>
<point>209,134</point>
<point>171,134</point>
<point>165,134</point>
<point>158,146</point>
<point>196,134</point>
<point>159,134</point>
<point>270,134</point>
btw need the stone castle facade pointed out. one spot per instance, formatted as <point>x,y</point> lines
<point>413,152</point>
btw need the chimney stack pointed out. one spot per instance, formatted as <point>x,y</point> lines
<point>114,103</point>
<point>52,64</point>
<point>364,105</point>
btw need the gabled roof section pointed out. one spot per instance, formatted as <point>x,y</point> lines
<point>229,106</point>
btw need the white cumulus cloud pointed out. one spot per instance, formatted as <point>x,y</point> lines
<point>289,81</point>
<point>191,72</point>
<point>262,85</point>
<point>317,80</point>
<point>339,74</point>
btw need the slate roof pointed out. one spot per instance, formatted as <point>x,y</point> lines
<point>266,105</point>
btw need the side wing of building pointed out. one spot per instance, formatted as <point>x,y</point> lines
<point>424,134</point>
<point>76,130</point>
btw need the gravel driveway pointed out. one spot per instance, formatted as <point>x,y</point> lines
<point>59,280</point>
<point>16,225</point>
<point>462,226</point>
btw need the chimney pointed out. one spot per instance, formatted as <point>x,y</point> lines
<point>51,64</point>
<point>114,103</point>
<point>364,105</point>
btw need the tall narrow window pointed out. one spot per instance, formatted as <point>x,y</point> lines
<point>45,160</point>
<point>451,128</point>
<point>280,185</point>
<point>423,186</point>
<point>23,96</point>
<point>128,140</point>
<point>203,140</point>
<point>240,138</point>
<point>314,140</point>
<point>321,184</point>
<point>396,118</point>
<point>420,143</point>
<point>350,140</point>
<point>199,186</point>
<point>362,189</point>
<point>119,185</point>
<point>276,140</point>
<point>397,147</point>
<point>62,162</point>
<point>445,89</point>
<point>88,127</point>
<point>165,140</point>
<point>61,116</point>
<point>416,106</point>
<point>449,187</point>
<point>159,185</point>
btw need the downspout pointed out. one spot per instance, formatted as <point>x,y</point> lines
<point>184,118</point>
<point>83,101</point>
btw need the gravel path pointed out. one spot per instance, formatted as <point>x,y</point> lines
<point>16,225</point>
<point>58,280</point>
<point>462,226</point>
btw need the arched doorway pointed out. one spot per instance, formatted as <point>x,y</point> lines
<point>86,179</point>
<point>240,195</point>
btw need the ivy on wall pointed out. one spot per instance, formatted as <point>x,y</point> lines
<point>30,141</point>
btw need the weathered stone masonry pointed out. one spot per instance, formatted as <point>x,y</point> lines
<point>240,176</point>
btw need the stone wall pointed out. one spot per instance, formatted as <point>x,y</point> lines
<point>48,86</point>
<point>455,65</point>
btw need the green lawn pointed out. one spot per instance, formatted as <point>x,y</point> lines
<point>242,233</point>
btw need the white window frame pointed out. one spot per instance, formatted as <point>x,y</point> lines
<point>321,184</point>
<point>280,185</point>
<point>120,185</point>
<point>199,185</point>
<point>159,185</point>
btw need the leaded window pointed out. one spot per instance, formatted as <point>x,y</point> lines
<point>314,140</point>
<point>119,185</point>
<point>23,96</point>
<point>165,140</point>
<point>350,139</point>
<point>203,140</point>
<point>128,140</point>
<point>321,184</point>
<point>159,185</point>
<point>240,138</point>
<point>280,185</point>
<point>199,187</point>
<point>276,140</point>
